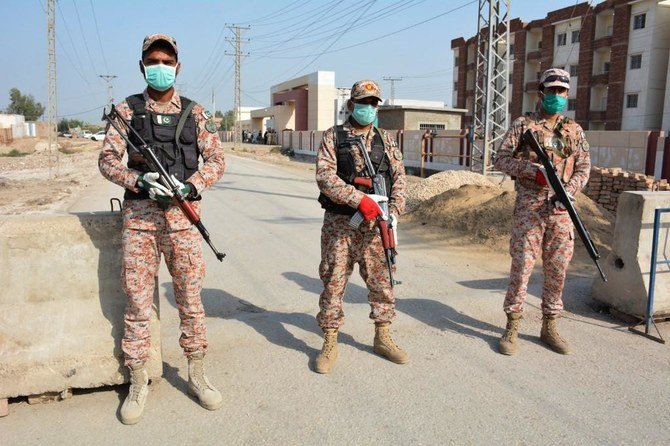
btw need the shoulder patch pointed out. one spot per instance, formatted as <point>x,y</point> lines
<point>207,114</point>
<point>397,154</point>
<point>210,126</point>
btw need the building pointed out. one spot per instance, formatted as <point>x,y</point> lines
<point>407,114</point>
<point>616,52</point>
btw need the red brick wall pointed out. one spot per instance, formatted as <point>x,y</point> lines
<point>585,70</point>
<point>618,63</point>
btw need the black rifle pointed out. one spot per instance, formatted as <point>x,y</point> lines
<point>155,165</point>
<point>376,182</point>
<point>564,198</point>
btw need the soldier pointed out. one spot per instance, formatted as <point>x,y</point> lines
<point>338,162</point>
<point>180,131</point>
<point>541,223</point>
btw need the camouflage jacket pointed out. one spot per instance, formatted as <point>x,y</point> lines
<point>342,193</point>
<point>146,214</point>
<point>567,148</point>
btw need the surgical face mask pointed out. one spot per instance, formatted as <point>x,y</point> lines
<point>553,103</point>
<point>364,114</point>
<point>160,77</point>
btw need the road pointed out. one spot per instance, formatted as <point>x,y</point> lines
<point>260,304</point>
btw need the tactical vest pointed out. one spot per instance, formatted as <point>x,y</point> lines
<point>561,157</point>
<point>346,167</point>
<point>172,136</point>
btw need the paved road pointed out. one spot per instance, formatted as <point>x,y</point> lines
<point>456,389</point>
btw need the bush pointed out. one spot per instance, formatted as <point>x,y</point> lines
<point>14,153</point>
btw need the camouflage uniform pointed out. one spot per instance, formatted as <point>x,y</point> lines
<point>537,223</point>
<point>343,246</point>
<point>148,231</point>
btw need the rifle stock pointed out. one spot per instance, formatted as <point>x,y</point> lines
<point>378,185</point>
<point>563,197</point>
<point>155,165</point>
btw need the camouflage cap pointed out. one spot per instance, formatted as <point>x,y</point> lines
<point>365,89</point>
<point>555,77</point>
<point>153,38</point>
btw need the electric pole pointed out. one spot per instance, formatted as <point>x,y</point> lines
<point>491,81</point>
<point>110,88</point>
<point>52,103</point>
<point>393,80</point>
<point>237,43</point>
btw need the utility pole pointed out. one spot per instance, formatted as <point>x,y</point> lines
<point>52,103</point>
<point>237,43</point>
<point>491,81</point>
<point>110,88</point>
<point>393,80</point>
<point>213,104</point>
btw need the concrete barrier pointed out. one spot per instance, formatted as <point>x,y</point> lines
<point>61,304</point>
<point>628,265</point>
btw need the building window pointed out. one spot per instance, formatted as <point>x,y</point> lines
<point>539,45</point>
<point>510,78</point>
<point>635,61</point>
<point>455,86</point>
<point>574,37</point>
<point>573,70</point>
<point>560,39</point>
<point>572,104</point>
<point>431,127</point>
<point>511,51</point>
<point>610,30</point>
<point>631,100</point>
<point>639,21</point>
<point>456,61</point>
<point>606,67</point>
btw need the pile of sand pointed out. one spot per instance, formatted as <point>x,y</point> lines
<point>418,192</point>
<point>483,215</point>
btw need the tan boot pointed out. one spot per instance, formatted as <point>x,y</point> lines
<point>133,406</point>
<point>385,346</point>
<point>199,386</point>
<point>508,342</point>
<point>325,360</point>
<point>549,334</point>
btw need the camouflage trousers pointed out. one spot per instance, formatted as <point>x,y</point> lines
<point>341,248</point>
<point>536,228</point>
<point>141,259</point>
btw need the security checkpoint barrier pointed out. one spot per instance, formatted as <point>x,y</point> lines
<point>627,266</point>
<point>62,304</point>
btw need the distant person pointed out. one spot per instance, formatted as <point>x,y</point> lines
<point>244,136</point>
<point>265,138</point>
<point>153,224</point>
<point>338,162</point>
<point>541,223</point>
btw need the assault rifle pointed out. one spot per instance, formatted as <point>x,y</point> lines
<point>376,182</point>
<point>564,198</point>
<point>152,161</point>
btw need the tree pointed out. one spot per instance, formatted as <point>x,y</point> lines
<point>228,122</point>
<point>24,105</point>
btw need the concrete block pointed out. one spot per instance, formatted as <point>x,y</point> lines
<point>61,304</point>
<point>628,265</point>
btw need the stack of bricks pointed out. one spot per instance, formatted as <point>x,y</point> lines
<point>606,184</point>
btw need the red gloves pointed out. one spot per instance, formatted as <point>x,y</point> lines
<point>541,178</point>
<point>369,208</point>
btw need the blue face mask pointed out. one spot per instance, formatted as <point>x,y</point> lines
<point>364,114</point>
<point>553,103</point>
<point>160,77</point>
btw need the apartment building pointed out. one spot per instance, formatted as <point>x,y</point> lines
<point>616,52</point>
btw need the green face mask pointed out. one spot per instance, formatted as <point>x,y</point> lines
<point>364,114</point>
<point>160,77</point>
<point>553,103</point>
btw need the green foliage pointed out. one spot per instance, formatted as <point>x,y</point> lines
<point>24,105</point>
<point>13,153</point>
<point>228,122</point>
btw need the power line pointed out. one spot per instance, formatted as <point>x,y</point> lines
<point>393,80</point>
<point>97,32</point>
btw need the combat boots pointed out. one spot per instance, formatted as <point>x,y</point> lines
<point>385,346</point>
<point>199,386</point>
<point>133,406</point>
<point>508,342</point>
<point>549,334</point>
<point>328,354</point>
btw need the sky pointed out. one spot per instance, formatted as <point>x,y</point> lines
<point>364,39</point>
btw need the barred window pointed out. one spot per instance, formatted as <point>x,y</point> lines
<point>631,100</point>
<point>639,21</point>
<point>574,37</point>
<point>431,127</point>
<point>560,39</point>
<point>572,104</point>
<point>635,61</point>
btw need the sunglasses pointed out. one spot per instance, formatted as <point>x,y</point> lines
<point>557,78</point>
